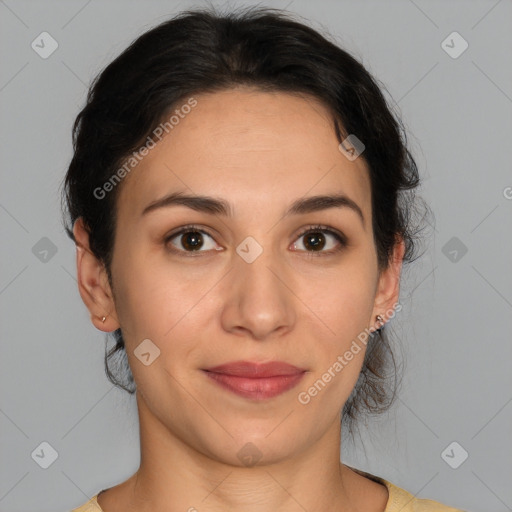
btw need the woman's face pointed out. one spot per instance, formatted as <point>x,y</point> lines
<point>254,289</point>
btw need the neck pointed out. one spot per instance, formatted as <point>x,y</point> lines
<point>174,476</point>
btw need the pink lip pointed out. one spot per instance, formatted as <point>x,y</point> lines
<point>256,381</point>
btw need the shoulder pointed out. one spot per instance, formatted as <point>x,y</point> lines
<point>91,506</point>
<point>400,500</point>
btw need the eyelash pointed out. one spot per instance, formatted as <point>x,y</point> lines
<point>341,239</point>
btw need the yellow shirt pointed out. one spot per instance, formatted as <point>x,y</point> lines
<point>399,501</point>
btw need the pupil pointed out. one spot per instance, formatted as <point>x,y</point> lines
<point>315,240</point>
<point>193,240</point>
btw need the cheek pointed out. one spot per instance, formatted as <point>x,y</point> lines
<point>154,300</point>
<point>136,293</point>
<point>342,304</point>
<point>342,300</point>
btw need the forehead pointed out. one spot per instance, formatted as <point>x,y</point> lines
<point>250,147</point>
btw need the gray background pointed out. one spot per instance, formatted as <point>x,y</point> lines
<point>456,319</point>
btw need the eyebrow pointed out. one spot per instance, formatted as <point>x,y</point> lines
<point>216,206</point>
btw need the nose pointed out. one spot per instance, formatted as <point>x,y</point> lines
<point>259,299</point>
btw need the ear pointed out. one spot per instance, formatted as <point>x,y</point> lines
<point>388,287</point>
<point>93,282</point>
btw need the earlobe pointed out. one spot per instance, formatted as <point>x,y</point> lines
<point>93,283</point>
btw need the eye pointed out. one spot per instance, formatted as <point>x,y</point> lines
<point>191,239</point>
<point>315,240</point>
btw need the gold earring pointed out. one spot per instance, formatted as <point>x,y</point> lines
<point>380,320</point>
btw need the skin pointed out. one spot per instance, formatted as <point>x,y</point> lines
<point>260,151</point>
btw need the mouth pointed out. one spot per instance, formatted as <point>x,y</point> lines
<point>255,380</point>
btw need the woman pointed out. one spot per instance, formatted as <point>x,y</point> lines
<point>240,197</point>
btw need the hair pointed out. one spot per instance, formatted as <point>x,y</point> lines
<point>201,51</point>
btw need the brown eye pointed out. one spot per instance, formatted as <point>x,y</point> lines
<point>314,241</point>
<point>316,238</point>
<point>190,239</point>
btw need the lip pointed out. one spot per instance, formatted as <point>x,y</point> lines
<point>256,370</point>
<point>258,381</point>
